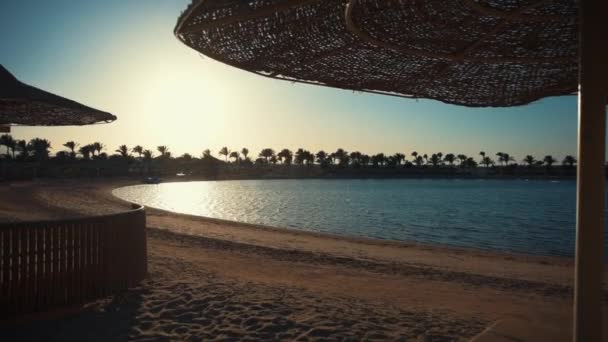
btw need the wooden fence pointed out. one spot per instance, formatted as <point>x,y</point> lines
<point>55,263</point>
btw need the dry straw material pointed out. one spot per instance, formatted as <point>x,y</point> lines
<point>466,52</point>
<point>21,104</point>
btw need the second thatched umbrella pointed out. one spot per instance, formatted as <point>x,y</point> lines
<point>22,104</point>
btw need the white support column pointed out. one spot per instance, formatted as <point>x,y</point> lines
<point>593,92</point>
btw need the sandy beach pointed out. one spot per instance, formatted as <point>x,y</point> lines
<point>219,280</point>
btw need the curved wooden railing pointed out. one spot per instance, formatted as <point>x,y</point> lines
<point>56,263</point>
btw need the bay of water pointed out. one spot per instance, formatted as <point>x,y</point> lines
<point>534,217</point>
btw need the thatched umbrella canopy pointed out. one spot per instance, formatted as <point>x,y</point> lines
<point>21,104</point>
<point>499,53</point>
<point>466,52</point>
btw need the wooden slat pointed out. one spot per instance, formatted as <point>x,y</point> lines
<point>48,257</point>
<point>56,279</point>
<point>40,281</point>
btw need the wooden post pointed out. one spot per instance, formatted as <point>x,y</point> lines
<point>593,50</point>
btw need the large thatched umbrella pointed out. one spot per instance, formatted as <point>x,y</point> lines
<point>21,104</point>
<point>465,52</point>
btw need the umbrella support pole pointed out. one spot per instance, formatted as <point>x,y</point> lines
<point>593,93</point>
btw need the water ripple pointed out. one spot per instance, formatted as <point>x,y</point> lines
<point>524,216</point>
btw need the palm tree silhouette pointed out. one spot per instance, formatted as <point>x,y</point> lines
<point>322,158</point>
<point>487,161</point>
<point>450,158</point>
<point>463,159</point>
<point>224,152</point>
<point>286,156</point>
<point>10,143</point>
<point>40,147</point>
<point>529,160</point>
<point>164,151</point>
<point>148,155</point>
<point>267,153</point>
<point>123,150</point>
<point>235,155</point>
<point>97,147</point>
<point>310,158</point>
<point>435,159</point>
<point>71,145</point>
<point>24,152</point>
<point>342,156</point>
<point>399,158</point>
<point>549,161</point>
<point>138,149</point>
<point>569,160</point>
<point>245,152</point>
<point>86,151</point>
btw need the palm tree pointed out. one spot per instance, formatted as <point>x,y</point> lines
<point>530,160</point>
<point>10,143</point>
<point>322,158</point>
<point>342,156</point>
<point>24,151</point>
<point>549,161</point>
<point>86,151</point>
<point>164,151</point>
<point>470,163</point>
<point>504,158</point>
<point>365,159</point>
<point>450,158</point>
<point>300,156</point>
<point>378,159</point>
<point>355,158</point>
<point>482,154</point>
<point>267,153</point>
<point>40,147</point>
<point>309,158</point>
<point>138,149</point>
<point>569,160</point>
<point>123,150</point>
<point>462,159</point>
<point>206,153</point>
<point>235,155</point>
<point>245,152</point>
<point>97,147</point>
<point>487,161</point>
<point>435,160</point>
<point>71,145</point>
<point>399,158</point>
<point>224,152</point>
<point>286,156</point>
<point>499,155</point>
<point>148,155</point>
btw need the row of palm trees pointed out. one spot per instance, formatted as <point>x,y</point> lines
<point>343,158</point>
<point>38,149</point>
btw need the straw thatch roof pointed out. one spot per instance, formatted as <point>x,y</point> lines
<point>467,52</point>
<point>21,104</point>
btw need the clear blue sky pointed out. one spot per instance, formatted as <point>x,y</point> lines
<point>121,56</point>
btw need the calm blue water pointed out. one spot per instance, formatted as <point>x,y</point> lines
<point>536,217</point>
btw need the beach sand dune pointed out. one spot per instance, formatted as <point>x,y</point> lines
<point>231,281</point>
